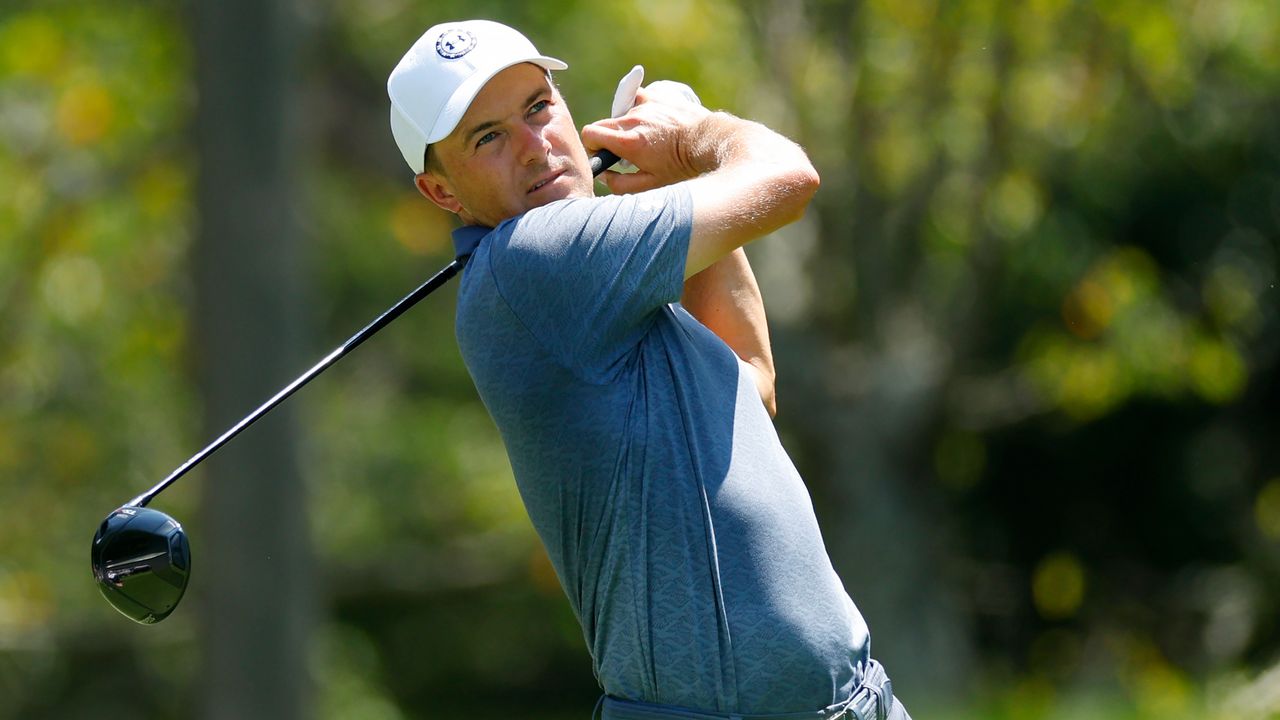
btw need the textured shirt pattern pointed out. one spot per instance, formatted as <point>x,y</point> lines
<point>681,532</point>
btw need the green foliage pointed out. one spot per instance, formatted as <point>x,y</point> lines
<point>1060,220</point>
<point>95,227</point>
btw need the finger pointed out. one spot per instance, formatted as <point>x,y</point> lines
<point>607,178</point>
<point>604,122</point>
<point>618,124</point>
<point>628,183</point>
<point>598,135</point>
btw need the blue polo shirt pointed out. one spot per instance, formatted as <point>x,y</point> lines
<point>681,532</point>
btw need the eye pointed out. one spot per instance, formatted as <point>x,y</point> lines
<point>539,107</point>
<point>486,138</point>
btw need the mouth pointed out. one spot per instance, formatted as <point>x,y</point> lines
<point>544,181</point>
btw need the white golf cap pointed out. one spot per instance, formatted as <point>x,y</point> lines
<point>434,83</point>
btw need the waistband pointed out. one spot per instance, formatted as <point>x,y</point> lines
<point>872,700</point>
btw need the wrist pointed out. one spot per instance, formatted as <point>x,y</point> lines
<point>708,140</point>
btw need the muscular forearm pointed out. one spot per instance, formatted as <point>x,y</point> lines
<point>745,180</point>
<point>726,298</point>
<point>719,141</point>
<point>753,182</point>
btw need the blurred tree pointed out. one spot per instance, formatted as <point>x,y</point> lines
<point>1027,342</point>
<point>1014,297</point>
<point>258,600</point>
<point>863,352</point>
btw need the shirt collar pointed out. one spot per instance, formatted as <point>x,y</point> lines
<point>467,237</point>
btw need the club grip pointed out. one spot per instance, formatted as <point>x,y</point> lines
<point>602,161</point>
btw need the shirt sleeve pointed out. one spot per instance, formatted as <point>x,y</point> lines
<point>587,277</point>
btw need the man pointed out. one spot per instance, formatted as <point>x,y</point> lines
<point>620,345</point>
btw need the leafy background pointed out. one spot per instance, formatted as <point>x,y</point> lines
<point>1026,336</point>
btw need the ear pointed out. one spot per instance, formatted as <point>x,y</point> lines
<point>437,190</point>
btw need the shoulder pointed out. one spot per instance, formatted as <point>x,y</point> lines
<point>611,214</point>
<point>590,240</point>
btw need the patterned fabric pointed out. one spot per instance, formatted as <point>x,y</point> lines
<point>681,532</point>
<point>873,700</point>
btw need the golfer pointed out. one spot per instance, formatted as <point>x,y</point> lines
<point>620,345</point>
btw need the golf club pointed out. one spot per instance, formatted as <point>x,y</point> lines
<point>141,557</point>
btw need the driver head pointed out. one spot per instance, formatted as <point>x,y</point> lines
<point>141,562</point>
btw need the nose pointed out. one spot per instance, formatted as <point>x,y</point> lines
<point>532,143</point>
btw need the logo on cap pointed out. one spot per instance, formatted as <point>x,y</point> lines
<point>454,43</point>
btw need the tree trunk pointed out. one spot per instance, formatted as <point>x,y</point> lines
<point>253,560</point>
<point>867,376</point>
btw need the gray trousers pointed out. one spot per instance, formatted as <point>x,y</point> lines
<point>873,700</point>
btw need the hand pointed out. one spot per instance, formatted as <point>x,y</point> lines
<point>657,135</point>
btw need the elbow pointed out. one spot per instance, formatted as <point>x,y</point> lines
<point>809,182</point>
<point>801,185</point>
<point>764,379</point>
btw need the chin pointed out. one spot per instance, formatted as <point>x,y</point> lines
<point>557,193</point>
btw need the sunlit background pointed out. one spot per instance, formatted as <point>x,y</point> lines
<point>1026,335</point>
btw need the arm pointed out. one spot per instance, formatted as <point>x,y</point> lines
<point>726,298</point>
<point>745,180</point>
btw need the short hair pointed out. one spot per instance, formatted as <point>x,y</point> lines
<point>431,163</point>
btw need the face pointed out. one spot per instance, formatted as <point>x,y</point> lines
<point>516,148</point>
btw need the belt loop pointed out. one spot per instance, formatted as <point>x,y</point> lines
<point>882,712</point>
<point>874,688</point>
